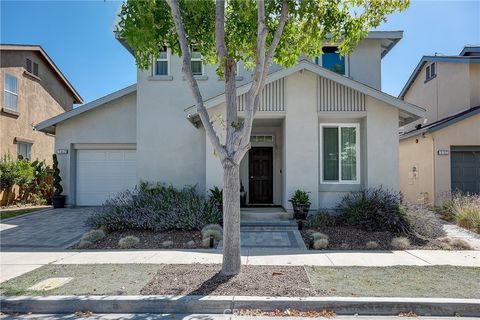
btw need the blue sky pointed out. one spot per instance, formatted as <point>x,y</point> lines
<point>78,37</point>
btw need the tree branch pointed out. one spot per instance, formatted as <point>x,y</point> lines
<point>187,71</point>
<point>261,72</point>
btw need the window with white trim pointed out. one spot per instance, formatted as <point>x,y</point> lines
<point>196,63</point>
<point>10,95</point>
<point>340,146</point>
<point>430,72</point>
<point>24,150</point>
<point>161,66</point>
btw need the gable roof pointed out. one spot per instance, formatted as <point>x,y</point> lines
<point>442,123</point>
<point>49,125</point>
<point>57,72</point>
<point>462,58</point>
<point>409,110</point>
<point>470,50</point>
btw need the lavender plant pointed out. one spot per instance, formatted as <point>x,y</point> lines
<point>155,207</point>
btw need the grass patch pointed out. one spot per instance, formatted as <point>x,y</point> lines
<point>15,213</point>
<point>398,281</point>
<point>88,279</point>
<point>135,279</point>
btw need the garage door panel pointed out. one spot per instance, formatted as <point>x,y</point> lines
<point>103,173</point>
<point>465,171</point>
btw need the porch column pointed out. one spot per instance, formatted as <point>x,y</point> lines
<point>301,138</point>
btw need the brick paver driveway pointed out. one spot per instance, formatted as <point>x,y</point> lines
<point>46,230</point>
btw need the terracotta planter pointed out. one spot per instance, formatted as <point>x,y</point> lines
<point>300,210</point>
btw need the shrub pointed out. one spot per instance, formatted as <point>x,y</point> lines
<point>320,244</point>
<point>319,235</point>
<point>423,222</point>
<point>460,243</point>
<point>93,235</point>
<point>167,243</point>
<point>464,209</point>
<point>57,186</point>
<point>128,242</point>
<point>300,197</point>
<point>320,219</point>
<point>216,196</point>
<point>212,226</point>
<point>373,210</point>
<point>156,207</point>
<point>14,172</point>
<point>400,243</point>
<point>84,244</point>
<point>371,245</point>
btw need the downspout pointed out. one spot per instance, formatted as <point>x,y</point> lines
<point>434,172</point>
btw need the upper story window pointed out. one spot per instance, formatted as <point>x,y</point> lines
<point>340,147</point>
<point>11,92</point>
<point>162,65</point>
<point>24,150</point>
<point>32,67</point>
<point>430,72</point>
<point>332,60</point>
<point>197,64</point>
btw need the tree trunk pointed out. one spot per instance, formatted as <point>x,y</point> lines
<point>231,219</point>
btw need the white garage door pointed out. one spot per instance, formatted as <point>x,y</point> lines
<point>103,173</point>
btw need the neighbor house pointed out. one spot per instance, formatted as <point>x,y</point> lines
<point>440,154</point>
<point>33,89</point>
<point>326,132</point>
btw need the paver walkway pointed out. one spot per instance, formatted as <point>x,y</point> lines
<point>14,264</point>
<point>455,232</point>
<point>46,230</point>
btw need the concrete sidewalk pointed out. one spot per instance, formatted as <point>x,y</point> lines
<point>13,264</point>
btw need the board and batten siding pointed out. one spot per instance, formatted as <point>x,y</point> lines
<point>332,96</point>
<point>272,98</point>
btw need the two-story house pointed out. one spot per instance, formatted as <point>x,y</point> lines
<point>440,154</point>
<point>323,126</point>
<point>33,89</point>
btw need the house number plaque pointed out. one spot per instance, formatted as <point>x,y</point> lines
<point>62,151</point>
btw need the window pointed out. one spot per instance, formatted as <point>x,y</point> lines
<point>11,92</point>
<point>340,153</point>
<point>32,67</point>
<point>332,60</point>
<point>197,64</point>
<point>430,72</point>
<point>161,68</point>
<point>24,150</point>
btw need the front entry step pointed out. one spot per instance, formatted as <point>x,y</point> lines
<point>274,224</point>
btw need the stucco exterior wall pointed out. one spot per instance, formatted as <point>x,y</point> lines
<point>463,133</point>
<point>114,123</point>
<point>416,169</point>
<point>382,145</point>
<point>38,99</point>
<point>365,63</point>
<point>454,89</point>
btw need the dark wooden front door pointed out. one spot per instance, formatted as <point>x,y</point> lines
<point>261,175</point>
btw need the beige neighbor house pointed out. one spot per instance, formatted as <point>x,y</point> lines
<point>440,154</point>
<point>33,89</point>
<point>322,131</point>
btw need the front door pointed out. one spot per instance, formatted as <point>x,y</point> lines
<point>261,175</point>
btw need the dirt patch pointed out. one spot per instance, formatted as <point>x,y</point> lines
<point>350,238</point>
<point>151,239</point>
<point>200,279</point>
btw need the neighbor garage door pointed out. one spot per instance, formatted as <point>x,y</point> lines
<point>103,173</point>
<point>466,169</point>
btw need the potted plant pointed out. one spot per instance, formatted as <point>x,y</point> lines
<point>58,200</point>
<point>301,204</point>
<point>243,195</point>
<point>216,197</point>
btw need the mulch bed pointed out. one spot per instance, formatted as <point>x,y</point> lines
<point>351,238</point>
<point>151,239</point>
<point>200,279</point>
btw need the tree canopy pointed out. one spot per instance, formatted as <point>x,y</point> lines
<point>148,25</point>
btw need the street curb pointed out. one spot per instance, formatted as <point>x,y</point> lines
<point>227,304</point>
